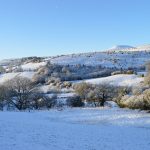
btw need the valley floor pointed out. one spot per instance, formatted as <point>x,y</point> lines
<point>75,129</point>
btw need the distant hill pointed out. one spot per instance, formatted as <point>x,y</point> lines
<point>122,47</point>
<point>130,48</point>
<point>120,56</point>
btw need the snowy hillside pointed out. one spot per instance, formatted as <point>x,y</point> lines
<point>118,80</point>
<point>9,76</point>
<point>105,59</point>
<point>120,56</point>
<point>32,66</point>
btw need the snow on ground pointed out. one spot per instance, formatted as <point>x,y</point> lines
<point>75,129</point>
<point>117,80</point>
<point>65,95</point>
<point>32,66</point>
<point>27,74</point>
<point>45,88</point>
<point>9,76</point>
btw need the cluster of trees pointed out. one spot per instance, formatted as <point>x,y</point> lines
<point>96,94</point>
<point>33,59</point>
<point>22,94</point>
<point>69,72</point>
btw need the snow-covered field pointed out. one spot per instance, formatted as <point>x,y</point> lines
<point>117,80</point>
<point>9,76</point>
<point>32,66</point>
<point>75,129</point>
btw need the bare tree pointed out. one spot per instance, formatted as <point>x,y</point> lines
<point>102,93</point>
<point>19,90</point>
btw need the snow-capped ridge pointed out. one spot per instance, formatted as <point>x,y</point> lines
<point>122,47</point>
<point>128,48</point>
<point>144,47</point>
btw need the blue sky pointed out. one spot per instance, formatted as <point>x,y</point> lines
<point>51,27</point>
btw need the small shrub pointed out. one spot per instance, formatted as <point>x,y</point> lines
<point>75,101</point>
<point>50,101</point>
<point>38,79</point>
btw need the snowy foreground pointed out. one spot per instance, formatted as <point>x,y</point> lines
<point>75,129</point>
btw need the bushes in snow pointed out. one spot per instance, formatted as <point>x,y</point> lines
<point>82,89</point>
<point>33,59</point>
<point>52,81</point>
<point>121,92</point>
<point>147,79</point>
<point>123,72</point>
<point>138,97</point>
<point>141,101</point>
<point>37,78</point>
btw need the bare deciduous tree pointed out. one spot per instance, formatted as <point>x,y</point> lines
<point>101,93</point>
<point>19,90</point>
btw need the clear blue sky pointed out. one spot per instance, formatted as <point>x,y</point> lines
<point>51,27</point>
